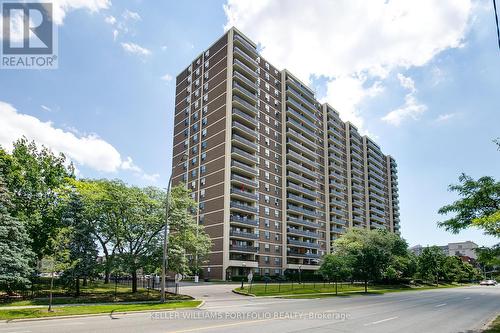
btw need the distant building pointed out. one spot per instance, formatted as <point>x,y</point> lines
<point>460,249</point>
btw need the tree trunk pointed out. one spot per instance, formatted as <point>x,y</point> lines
<point>134,281</point>
<point>50,293</point>
<point>336,291</point>
<point>366,286</point>
<point>77,287</point>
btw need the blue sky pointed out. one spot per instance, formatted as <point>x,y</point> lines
<point>425,86</point>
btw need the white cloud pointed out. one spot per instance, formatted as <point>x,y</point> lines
<point>129,15</point>
<point>110,19</point>
<point>445,117</point>
<point>135,49</point>
<point>46,108</point>
<point>167,77</point>
<point>412,109</point>
<point>350,38</point>
<point>62,7</point>
<point>86,150</point>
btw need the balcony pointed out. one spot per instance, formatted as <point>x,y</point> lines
<point>377,218</point>
<point>245,118</point>
<point>305,233</point>
<point>243,221</point>
<point>245,129</point>
<point>243,207</point>
<point>251,62</point>
<point>311,154</point>
<point>301,159</point>
<point>304,255</point>
<point>301,179</point>
<point>299,210</point>
<point>335,124</point>
<point>376,190</point>
<point>311,245</point>
<point>249,84</point>
<point>302,222</point>
<point>358,187</point>
<point>244,194</point>
<point>301,138</point>
<point>247,156</point>
<point>298,167</point>
<point>302,100</point>
<point>377,225</point>
<point>301,119</point>
<point>252,171</point>
<point>338,230</point>
<point>243,234</point>
<point>376,182</point>
<point>338,221</point>
<point>243,248</point>
<point>336,158</point>
<point>332,148</point>
<point>301,189</point>
<point>246,45</point>
<point>244,92</point>
<point>339,186</point>
<point>246,143</point>
<point>302,200</point>
<point>245,105</point>
<point>377,210</point>
<point>299,87</point>
<point>244,180</point>
<point>375,162</point>
<point>300,127</point>
<point>240,66</point>
<point>297,106</point>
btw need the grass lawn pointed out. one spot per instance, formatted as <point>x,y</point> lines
<point>92,309</point>
<point>100,293</point>
<point>299,290</point>
<point>494,327</point>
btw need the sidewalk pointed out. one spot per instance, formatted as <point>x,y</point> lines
<point>75,304</point>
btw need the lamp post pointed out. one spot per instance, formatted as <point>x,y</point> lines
<point>165,232</point>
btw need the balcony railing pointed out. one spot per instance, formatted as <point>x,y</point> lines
<point>304,255</point>
<point>246,105</point>
<point>243,207</point>
<point>299,178</point>
<point>302,200</point>
<point>308,114</point>
<point>300,127</point>
<point>302,189</point>
<point>242,90</point>
<point>243,234</point>
<point>245,44</point>
<point>245,154</point>
<point>300,137</point>
<point>303,222</point>
<point>243,166</point>
<point>245,142</point>
<point>300,232</point>
<point>299,167</point>
<point>244,221</point>
<point>244,116</point>
<point>249,71</point>
<point>244,128</point>
<point>244,180</point>
<point>311,154</point>
<point>301,158</point>
<point>245,194</point>
<point>241,53</point>
<point>303,211</point>
<point>306,102</point>
<point>294,242</point>
<point>301,118</point>
<point>243,248</point>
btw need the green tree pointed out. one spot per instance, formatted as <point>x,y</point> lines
<point>335,267</point>
<point>430,263</point>
<point>32,175</point>
<point>489,257</point>
<point>370,252</point>
<point>478,206</point>
<point>16,258</point>
<point>453,270</point>
<point>82,247</point>
<point>187,239</point>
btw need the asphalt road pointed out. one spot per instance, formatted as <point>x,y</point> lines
<point>444,310</point>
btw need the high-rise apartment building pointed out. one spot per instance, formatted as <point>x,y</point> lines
<point>278,175</point>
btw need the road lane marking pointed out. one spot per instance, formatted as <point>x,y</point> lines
<point>222,325</point>
<point>381,321</point>
<point>440,305</point>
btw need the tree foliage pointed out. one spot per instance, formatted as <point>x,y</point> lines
<point>32,175</point>
<point>16,257</point>
<point>478,206</point>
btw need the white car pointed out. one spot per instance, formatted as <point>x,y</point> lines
<point>488,283</point>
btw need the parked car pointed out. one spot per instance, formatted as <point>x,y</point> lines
<point>488,283</point>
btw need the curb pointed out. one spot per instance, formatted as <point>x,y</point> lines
<point>242,293</point>
<point>7,321</point>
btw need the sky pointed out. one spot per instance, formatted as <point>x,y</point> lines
<point>422,78</point>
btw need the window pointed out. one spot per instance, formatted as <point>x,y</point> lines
<point>276,225</point>
<point>193,173</point>
<point>266,223</point>
<point>267,84</point>
<point>202,193</point>
<point>267,119</point>
<point>202,219</point>
<point>204,121</point>
<point>195,127</point>
<point>205,98</point>
<point>206,75</point>
<point>202,181</point>
<point>203,169</point>
<point>267,130</point>
<point>266,199</point>
<point>194,160</point>
<point>202,206</point>
<point>266,247</point>
<point>184,178</point>
<point>205,86</point>
<point>207,53</point>
<point>186,143</point>
<point>205,110</point>
<point>266,186</point>
<point>186,132</point>
<point>268,97</point>
<point>267,234</point>
<point>204,132</point>
<point>276,213</point>
<point>267,141</point>
<point>276,260</point>
<point>197,82</point>
<point>193,184</point>
<point>267,163</point>
<point>267,66</point>
<point>266,259</point>
<point>195,149</point>
<point>276,248</point>
<point>276,179</point>
<point>197,71</point>
<point>195,138</point>
<point>204,145</point>
<point>207,64</point>
<point>266,210</point>
<point>276,201</point>
<point>266,175</point>
<point>267,152</point>
<point>203,156</point>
